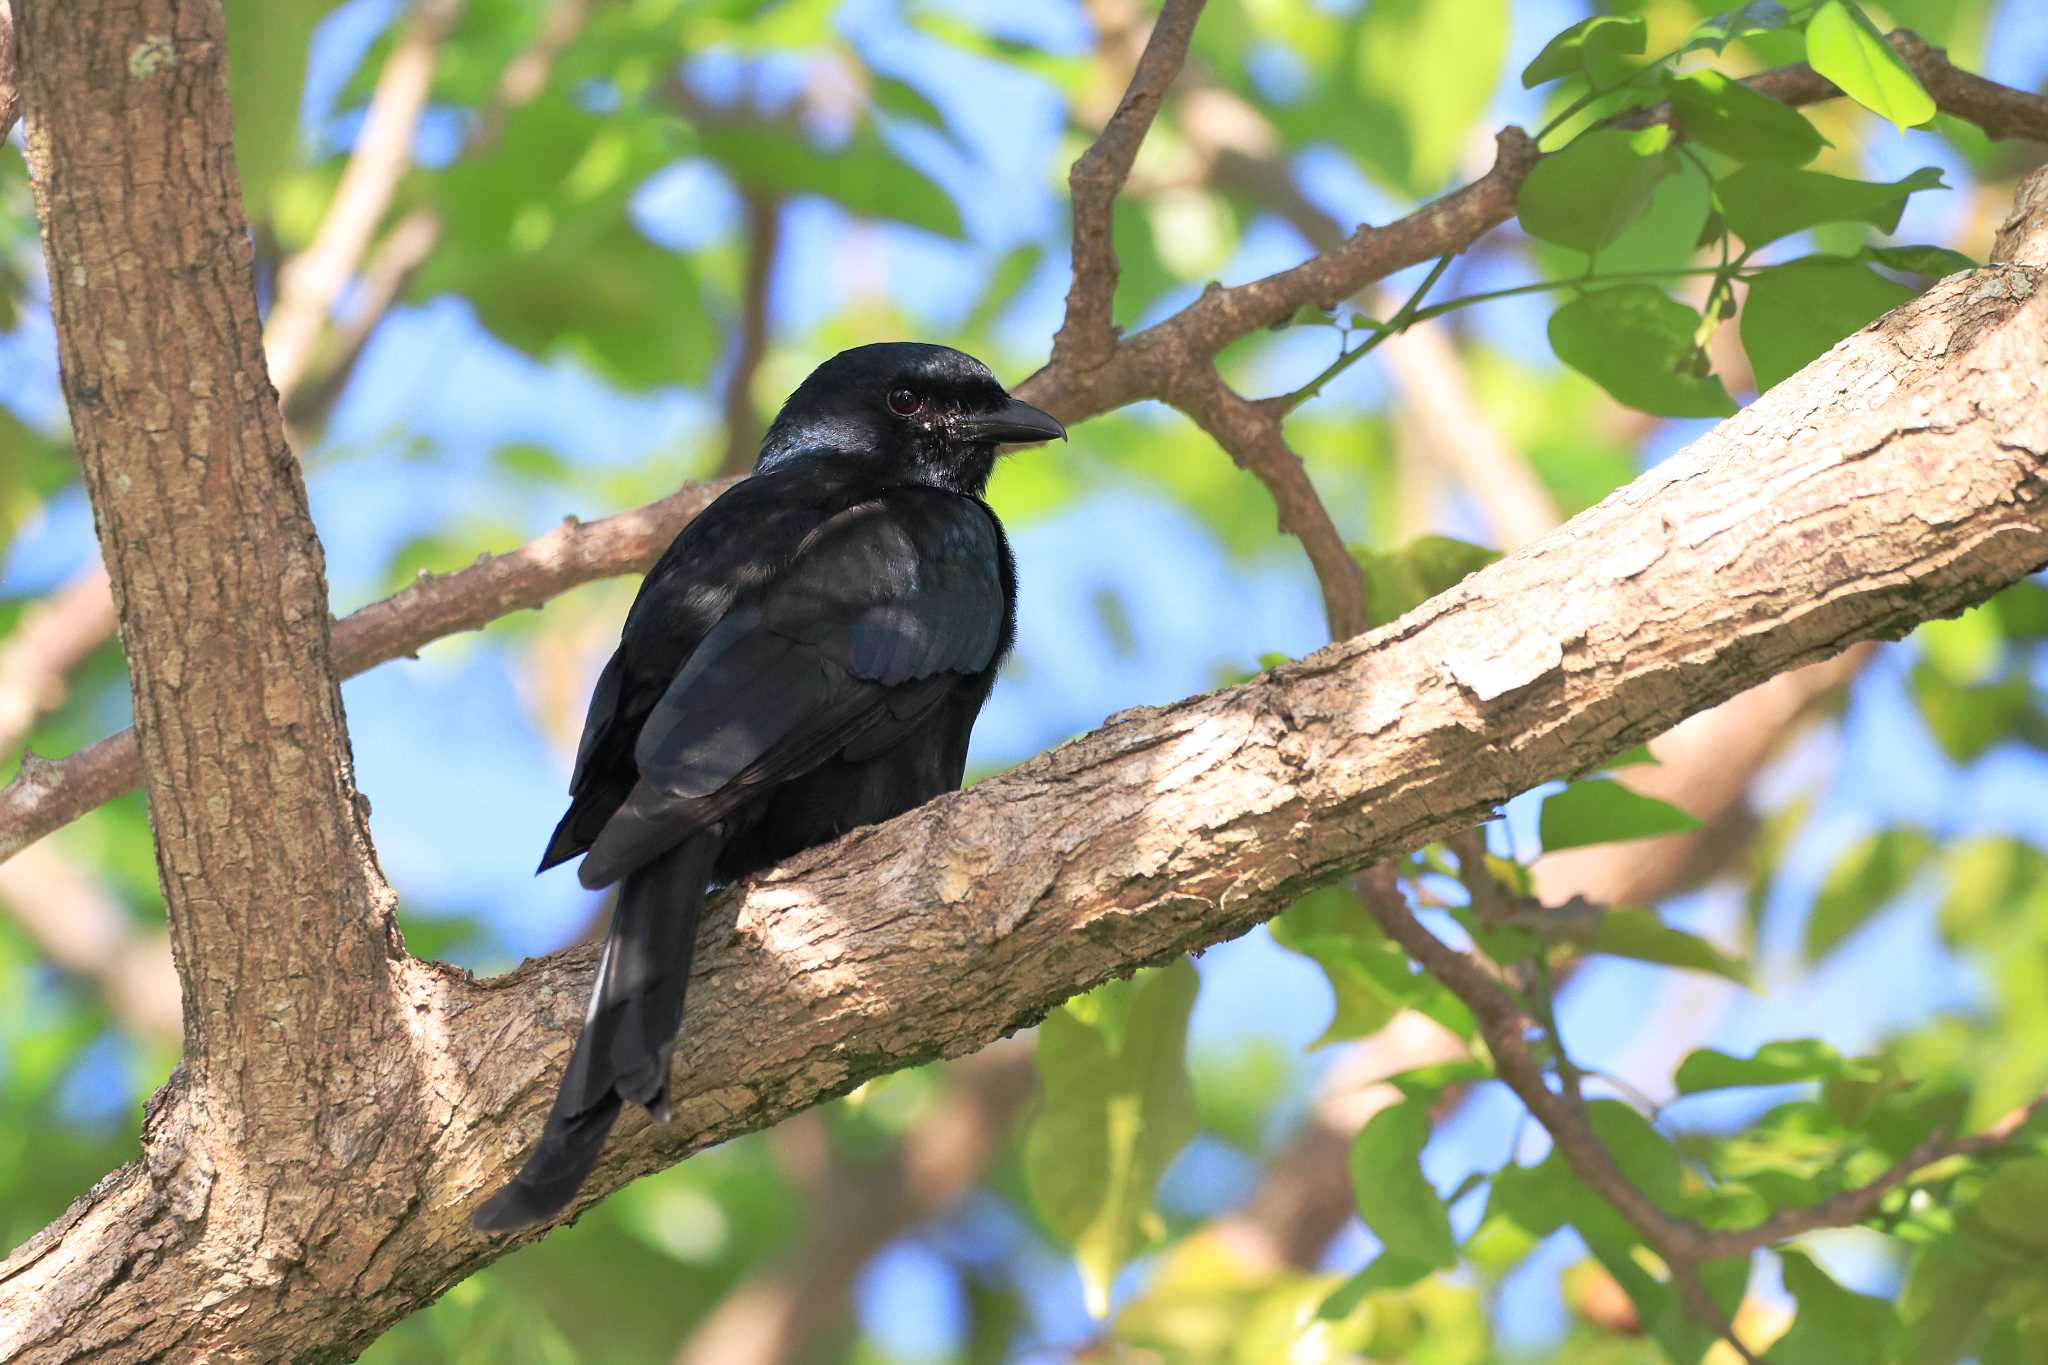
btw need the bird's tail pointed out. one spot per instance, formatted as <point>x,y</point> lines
<point>636,1010</point>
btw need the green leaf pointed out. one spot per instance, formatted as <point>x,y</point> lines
<point>1765,201</point>
<point>1585,196</point>
<point>1640,935</point>
<point>267,45</point>
<point>1575,51</point>
<point>1388,1270</point>
<point>1116,1107</point>
<point>1796,311</point>
<point>1779,1063</point>
<point>1942,1303</point>
<point>1834,1324</point>
<point>1717,31</point>
<point>1843,45</point>
<point>1868,876</point>
<point>1398,581</point>
<point>1735,120</point>
<point>1409,134</point>
<point>2009,1206</point>
<point>1932,261</point>
<point>1634,757</point>
<point>1368,975</point>
<point>1600,811</point>
<point>1637,343</point>
<point>1394,1197</point>
<point>863,175</point>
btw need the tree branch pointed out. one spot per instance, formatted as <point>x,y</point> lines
<point>10,94</point>
<point>1252,437</point>
<point>762,213</point>
<point>48,794</point>
<point>1088,333</point>
<point>1902,476</point>
<point>311,281</point>
<point>217,578</point>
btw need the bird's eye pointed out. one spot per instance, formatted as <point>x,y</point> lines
<point>905,402</point>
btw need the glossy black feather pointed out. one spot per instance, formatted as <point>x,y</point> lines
<point>808,656</point>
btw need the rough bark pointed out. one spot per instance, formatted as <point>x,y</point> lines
<point>1901,477</point>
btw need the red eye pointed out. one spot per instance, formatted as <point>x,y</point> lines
<point>904,402</point>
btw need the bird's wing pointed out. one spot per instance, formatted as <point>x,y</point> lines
<point>884,605</point>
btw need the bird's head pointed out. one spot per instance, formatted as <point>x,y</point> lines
<point>925,414</point>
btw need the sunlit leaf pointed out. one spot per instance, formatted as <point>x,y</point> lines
<point>1586,44</point>
<point>1843,45</point>
<point>1865,878</point>
<point>1600,811</point>
<point>1116,1105</point>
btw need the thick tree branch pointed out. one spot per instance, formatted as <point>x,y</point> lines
<point>218,580</point>
<point>1902,476</point>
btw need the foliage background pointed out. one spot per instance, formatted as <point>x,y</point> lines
<point>567,349</point>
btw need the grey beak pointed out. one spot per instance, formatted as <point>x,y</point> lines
<point>1013,423</point>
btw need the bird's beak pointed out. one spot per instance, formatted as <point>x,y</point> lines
<point>1014,422</point>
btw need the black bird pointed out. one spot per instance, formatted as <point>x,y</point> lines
<point>808,656</point>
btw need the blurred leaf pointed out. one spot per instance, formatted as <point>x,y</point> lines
<point>1843,45</point>
<point>1796,311</point>
<point>1407,133</point>
<point>1584,196</point>
<point>1779,1063</point>
<point>539,240</point>
<point>1116,1106</point>
<point>1368,976</point>
<point>1394,1197</point>
<point>1401,580</point>
<point>1835,1325</point>
<point>1719,30</point>
<point>1577,50</point>
<point>1638,343</point>
<point>1967,720</point>
<point>1765,201</point>
<point>1735,120</point>
<point>1600,811</point>
<point>267,46</point>
<point>1641,935</point>
<point>1865,878</point>
<point>1942,1303</point>
<point>863,176</point>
